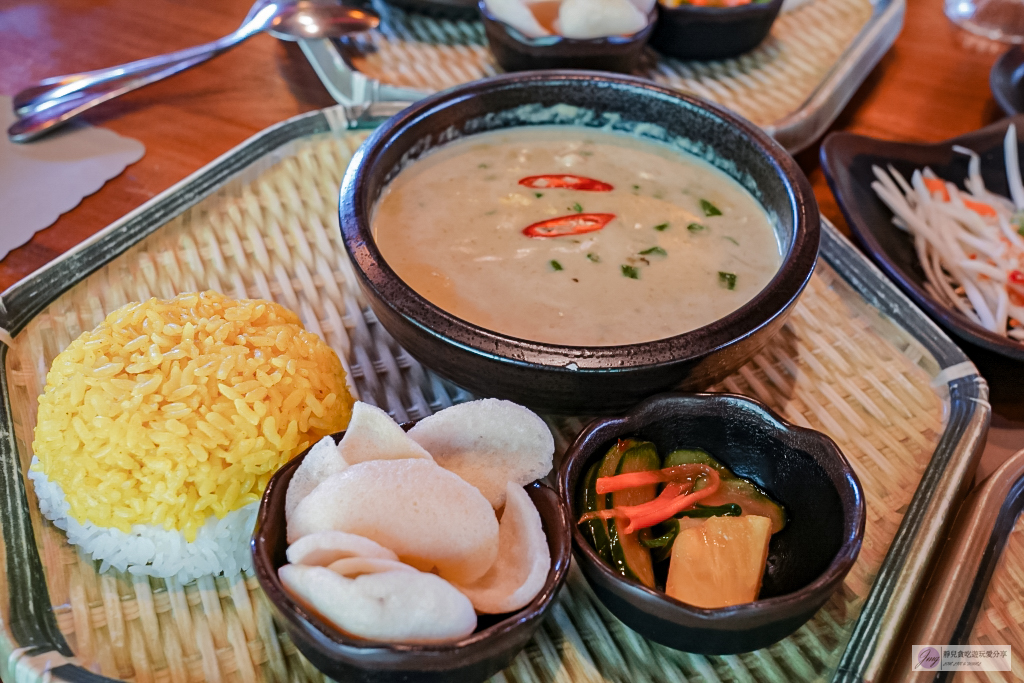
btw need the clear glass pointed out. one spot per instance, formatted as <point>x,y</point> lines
<point>1001,20</point>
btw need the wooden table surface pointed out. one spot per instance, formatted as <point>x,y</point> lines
<point>932,85</point>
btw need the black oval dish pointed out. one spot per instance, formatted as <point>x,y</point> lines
<point>1007,81</point>
<point>491,648</point>
<point>516,52</point>
<point>442,9</point>
<point>692,32</point>
<point>578,380</point>
<point>847,160</point>
<point>800,468</point>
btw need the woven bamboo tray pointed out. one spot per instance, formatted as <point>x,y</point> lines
<point>793,85</point>
<point>1000,620</point>
<point>856,361</point>
<point>975,599</point>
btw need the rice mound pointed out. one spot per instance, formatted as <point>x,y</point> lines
<point>220,545</point>
<point>171,416</point>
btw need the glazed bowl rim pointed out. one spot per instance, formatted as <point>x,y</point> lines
<point>773,300</point>
<point>334,642</point>
<point>751,614</point>
<point>740,11</point>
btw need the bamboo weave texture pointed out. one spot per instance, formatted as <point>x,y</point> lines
<point>1000,621</point>
<point>838,366</point>
<point>765,85</point>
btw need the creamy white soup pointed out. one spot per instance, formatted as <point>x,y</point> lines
<point>569,235</point>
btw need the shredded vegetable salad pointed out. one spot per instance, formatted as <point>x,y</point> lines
<point>970,244</point>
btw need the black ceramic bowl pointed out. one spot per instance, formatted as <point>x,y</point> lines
<point>516,52</point>
<point>497,640</point>
<point>800,468</point>
<point>444,9</point>
<point>847,160</point>
<point>692,32</point>
<point>577,379</point>
<point>1007,81</point>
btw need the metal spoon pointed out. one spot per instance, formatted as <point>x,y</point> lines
<point>56,100</point>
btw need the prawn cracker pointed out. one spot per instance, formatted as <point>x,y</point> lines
<point>489,443</point>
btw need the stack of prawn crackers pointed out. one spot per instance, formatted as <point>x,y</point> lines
<point>406,537</point>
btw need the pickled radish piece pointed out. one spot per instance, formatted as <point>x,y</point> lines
<point>720,562</point>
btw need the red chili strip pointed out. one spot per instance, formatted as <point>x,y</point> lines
<point>566,182</point>
<point>672,507</point>
<point>634,479</point>
<point>668,493</point>
<point>574,224</point>
<point>1017,277</point>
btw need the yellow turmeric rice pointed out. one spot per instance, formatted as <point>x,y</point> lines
<point>171,412</point>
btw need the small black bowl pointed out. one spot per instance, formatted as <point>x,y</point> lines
<point>579,380</point>
<point>491,648</point>
<point>442,9</point>
<point>516,52</point>
<point>692,32</point>
<point>847,159</point>
<point>1007,81</point>
<point>800,468</point>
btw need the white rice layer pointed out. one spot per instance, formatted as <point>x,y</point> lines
<point>221,545</point>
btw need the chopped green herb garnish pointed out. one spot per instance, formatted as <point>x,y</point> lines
<point>727,280</point>
<point>491,212</point>
<point>661,227</point>
<point>594,257</point>
<point>709,208</point>
<point>658,195</point>
<point>483,166</point>
<point>655,250</point>
<point>731,239</point>
<point>538,195</point>
<point>576,207</point>
<point>1020,231</point>
<point>636,187</point>
<point>555,265</point>
<point>630,272</point>
<point>695,227</point>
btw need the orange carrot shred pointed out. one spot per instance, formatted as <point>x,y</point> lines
<point>937,185</point>
<point>980,208</point>
<point>645,478</point>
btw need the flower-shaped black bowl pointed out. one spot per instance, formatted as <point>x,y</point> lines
<point>516,52</point>
<point>491,648</point>
<point>580,380</point>
<point>698,32</point>
<point>800,468</point>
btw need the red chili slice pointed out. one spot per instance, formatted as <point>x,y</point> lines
<point>567,182</point>
<point>573,224</point>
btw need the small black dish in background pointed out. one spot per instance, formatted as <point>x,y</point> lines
<point>441,9</point>
<point>515,52</point>
<point>1007,81</point>
<point>802,469</point>
<point>491,648</point>
<point>695,32</point>
<point>847,160</point>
